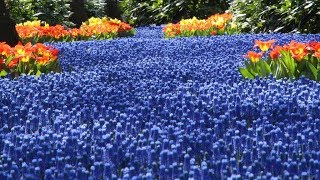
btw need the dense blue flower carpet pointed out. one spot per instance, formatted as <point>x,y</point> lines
<point>152,108</point>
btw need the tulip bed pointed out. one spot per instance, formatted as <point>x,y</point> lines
<point>92,29</point>
<point>155,108</point>
<point>217,24</point>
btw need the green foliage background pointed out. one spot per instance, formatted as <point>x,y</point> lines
<point>58,11</point>
<point>139,12</point>
<point>252,16</point>
<point>256,16</point>
<point>51,11</point>
<point>95,8</point>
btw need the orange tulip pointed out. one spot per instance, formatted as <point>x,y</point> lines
<point>314,46</point>
<point>2,62</point>
<point>213,32</point>
<point>23,53</point>
<point>39,48</point>
<point>264,45</point>
<point>297,50</point>
<point>5,49</point>
<point>124,27</point>
<point>274,53</point>
<point>253,56</point>
<point>13,63</point>
<point>43,60</point>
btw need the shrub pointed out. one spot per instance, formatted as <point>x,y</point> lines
<point>28,59</point>
<point>164,11</point>
<point>289,61</point>
<point>101,8</point>
<point>277,16</point>
<point>95,8</point>
<point>51,11</point>
<point>20,11</point>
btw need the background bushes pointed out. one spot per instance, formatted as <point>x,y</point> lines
<point>252,15</point>
<point>139,12</point>
<point>95,8</point>
<point>59,11</point>
<point>277,15</point>
<point>113,9</point>
<point>51,11</point>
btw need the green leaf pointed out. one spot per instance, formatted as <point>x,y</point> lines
<point>301,67</point>
<point>38,73</point>
<point>313,70</point>
<point>3,73</point>
<point>30,72</point>
<point>245,73</point>
<point>288,62</point>
<point>9,59</point>
<point>251,68</point>
<point>265,69</point>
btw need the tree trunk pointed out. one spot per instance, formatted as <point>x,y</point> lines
<point>8,32</point>
<point>79,14</point>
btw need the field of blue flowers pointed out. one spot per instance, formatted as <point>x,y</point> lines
<point>152,108</point>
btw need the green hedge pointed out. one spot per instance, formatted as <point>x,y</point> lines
<point>138,12</point>
<point>51,11</point>
<point>95,8</point>
<point>256,16</point>
<point>58,11</point>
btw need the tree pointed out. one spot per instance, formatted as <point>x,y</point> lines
<point>8,32</point>
<point>78,10</point>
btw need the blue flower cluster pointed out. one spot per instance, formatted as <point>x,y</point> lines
<point>152,108</point>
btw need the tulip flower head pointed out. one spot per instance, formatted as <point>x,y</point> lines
<point>253,56</point>
<point>5,49</point>
<point>292,60</point>
<point>215,24</point>
<point>28,59</point>
<point>274,53</point>
<point>94,28</point>
<point>315,47</point>
<point>264,45</point>
<point>297,50</point>
<point>23,53</point>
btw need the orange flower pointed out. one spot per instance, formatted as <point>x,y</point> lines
<point>55,52</point>
<point>274,53</point>
<point>124,27</point>
<point>264,45</point>
<point>219,20</point>
<point>44,54</point>
<point>172,30</point>
<point>23,53</point>
<point>43,60</point>
<point>297,50</point>
<point>74,32</point>
<point>314,46</point>
<point>5,49</point>
<point>39,48</point>
<point>253,56</point>
<point>213,32</point>
<point>2,62</point>
<point>13,63</point>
